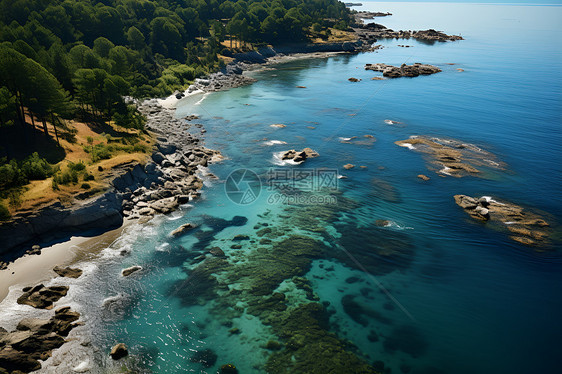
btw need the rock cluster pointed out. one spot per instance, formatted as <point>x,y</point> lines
<point>42,297</point>
<point>299,156</point>
<point>453,157</point>
<point>524,227</point>
<point>34,339</point>
<point>372,31</point>
<point>414,70</point>
<point>231,77</point>
<point>172,177</point>
<point>381,32</point>
<point>68,272</point>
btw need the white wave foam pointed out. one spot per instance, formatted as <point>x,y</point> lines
<point>162,247</point>
<point>83,367</point>
<point>202,99</point>
<point>274,142</point>
<point>391,122</point>
<point>278,160</point>
<point>396,226</point>
<point>493,163</point>
<point>346,139</point>
<point>445,170</point>
<point>408,145</point>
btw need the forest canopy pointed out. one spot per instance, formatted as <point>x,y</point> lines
<point>101,50</point>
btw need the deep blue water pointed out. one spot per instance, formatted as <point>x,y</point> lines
<point>465,298</point>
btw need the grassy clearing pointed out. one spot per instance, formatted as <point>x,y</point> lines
<point>82,169</point>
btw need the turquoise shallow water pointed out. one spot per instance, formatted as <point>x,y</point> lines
<point>456,297</point>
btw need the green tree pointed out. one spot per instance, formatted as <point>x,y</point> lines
<point>136,39</point>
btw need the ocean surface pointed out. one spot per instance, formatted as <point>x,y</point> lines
<point>429,291</point>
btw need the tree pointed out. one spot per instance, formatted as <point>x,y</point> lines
<point>32,87</point>
<point>136,39</point>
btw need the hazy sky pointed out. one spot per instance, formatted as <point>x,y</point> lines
<point>558,2</point>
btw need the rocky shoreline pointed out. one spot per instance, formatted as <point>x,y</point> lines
<point>173,176</point>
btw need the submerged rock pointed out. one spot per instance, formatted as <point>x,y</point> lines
<point>407,339</point>
<point>228,369</point>
<point>206,357</point>
<point>182,230</point>
<point>523,226</point>
<point>453,157</point>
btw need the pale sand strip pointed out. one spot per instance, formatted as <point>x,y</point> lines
<point>30,270</point>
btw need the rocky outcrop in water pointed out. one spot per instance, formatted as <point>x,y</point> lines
<point>130,270</point>
<point>523,226</point>
<point>453,157</point>
<point>183,229</point>
<point>33,340</point>
<point>67,272</point>
<point>404,70</point>
<point>378,31</point>
<point>299,156</point>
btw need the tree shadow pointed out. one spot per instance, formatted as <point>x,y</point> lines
<point>17,142</point>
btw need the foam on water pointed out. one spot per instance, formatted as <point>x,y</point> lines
<point>274,142</point>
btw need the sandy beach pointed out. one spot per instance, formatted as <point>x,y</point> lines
<point>33,269</point>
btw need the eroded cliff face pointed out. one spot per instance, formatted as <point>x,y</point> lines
<point>170,178</point>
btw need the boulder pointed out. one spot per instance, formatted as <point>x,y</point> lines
<point>119,351</point>
<point>217,252</point>
<point>466,202</point>
<point>42,297</point>
<point>12,360</point>
<point>348,166</point>
<point>130,270</point>
<point>423,177</point>
<point>158,157</point>
<point>182,230</point>
<point>67,272</point>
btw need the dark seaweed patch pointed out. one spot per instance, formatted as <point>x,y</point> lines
<point>361,313</point>
<point>407,339</point>
<point>376,250</point>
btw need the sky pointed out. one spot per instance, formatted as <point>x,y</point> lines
<point>556,2</point>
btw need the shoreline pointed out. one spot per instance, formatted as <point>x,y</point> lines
<point>33,269</point>
<point>176,151</point>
